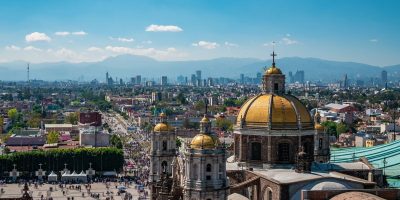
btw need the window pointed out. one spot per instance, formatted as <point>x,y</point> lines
<point>276,87</point>
<point>320,143</point>
<point>164,145</point>
<point>164,166</point>
<point>208,168</point>
<point>208,178</point>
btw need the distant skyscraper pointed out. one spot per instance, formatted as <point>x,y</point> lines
<point>107,78</point>
<point>345,81</point>
<point>138,79</point>
<point>241,78</point>
<point>291,80</point>
<point>384,77</point>
<point>164,80</point>
<point>193,79</point>
<point>299,76</point>
<point>133,80</point>
<point>198,74</point>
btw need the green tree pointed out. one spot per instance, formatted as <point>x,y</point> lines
<point>341,128</point>
<point>330,127</point>
<point>224,124</point>
<point>52,137</point>
<point>199,105</point>
<point>116,141</point>
<point>13,114</point>
<point>178,143</point>
<point>72,118</point>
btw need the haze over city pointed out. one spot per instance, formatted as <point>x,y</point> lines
<point>199,100</point>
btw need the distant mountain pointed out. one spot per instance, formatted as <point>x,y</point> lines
<point>126,66</point>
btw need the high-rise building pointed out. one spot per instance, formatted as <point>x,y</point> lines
<point>107,78</point>
<point>133,80</point>
<point>384,77</point>
<point>138,79</point>
<point>345,81</point>
<point>241,78</point>
<point>299,76</point>
<point>198,74</point>
<point>164,80</point>
<point>291,78</point>
<point>193,80</point>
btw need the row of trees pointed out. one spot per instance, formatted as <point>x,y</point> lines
<point>102,159</point>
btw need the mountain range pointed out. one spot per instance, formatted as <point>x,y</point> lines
<point>126,66</point>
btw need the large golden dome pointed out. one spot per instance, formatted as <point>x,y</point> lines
<point>281,112</point>
<point>273,70</point>
<point>204,141</point>
<point>162,127</point>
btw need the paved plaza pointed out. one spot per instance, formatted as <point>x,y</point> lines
<point>72,191</point>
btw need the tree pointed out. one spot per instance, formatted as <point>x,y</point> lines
<point>116,141</point>
<point>34,120</point>
<point>52,137</point>
<point>178,143</point>
<point>181,98</point>
<point>341,128</point>
<point>6,150</point>
<point>13,114</point>
<point>330,127</point>
<point>224,124</point>
<point>72,118</point>
<point>199,105</point>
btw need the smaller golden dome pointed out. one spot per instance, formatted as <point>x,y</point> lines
<point>162,127</point>
<point>204,141</point>
<point>162,115</point>
<point>273,70</point>
<point>205,119</point>
<point>319,127</point>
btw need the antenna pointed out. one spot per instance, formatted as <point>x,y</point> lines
<point>27,68</point>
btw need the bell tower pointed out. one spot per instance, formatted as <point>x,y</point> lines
<point>321,141</point>
<point>273,80</point>
<point>162,154</point>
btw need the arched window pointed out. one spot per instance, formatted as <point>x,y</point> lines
<point>276,87</point>
<point>164,166</point>
<point>208,168</point>
<point>164,145</point>
<point>320,143</point>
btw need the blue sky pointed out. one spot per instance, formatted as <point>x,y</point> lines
<point>364,31</point>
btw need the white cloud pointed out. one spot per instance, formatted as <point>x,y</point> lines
<point>95,49</point>
<point>36,36</point>
<point>228,44</point>
<point>79,33</point>
<point>62,33</point>
<point>31,48</point>
<point>163,28</point>
<point>206,45</point>
<point>268,44</point>
<point>288,35</point>
<point>12,48</point>
<point>373,40</point>
<point>122,39</point>
<point>167,54</point>
<point>288,41</point>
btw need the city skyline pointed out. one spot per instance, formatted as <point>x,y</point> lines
<point>46,31</point>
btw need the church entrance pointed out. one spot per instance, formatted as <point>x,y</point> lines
<point>283,152</point>
<point>255,151</point>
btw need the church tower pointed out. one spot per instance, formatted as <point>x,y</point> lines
<point>205,163</point>
<point>321,141</point>
<point>273,79</point>
<point>163,152</point>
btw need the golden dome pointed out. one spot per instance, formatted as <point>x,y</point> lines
<point>278,111</point>
<point>162,127</point>
<point>319,127</point>
<point>205,119</point>
<point>163,114</point>
<point>204,141</point>
<point>273,70</point>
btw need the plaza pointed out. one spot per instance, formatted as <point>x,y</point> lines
<point>101,190</point>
